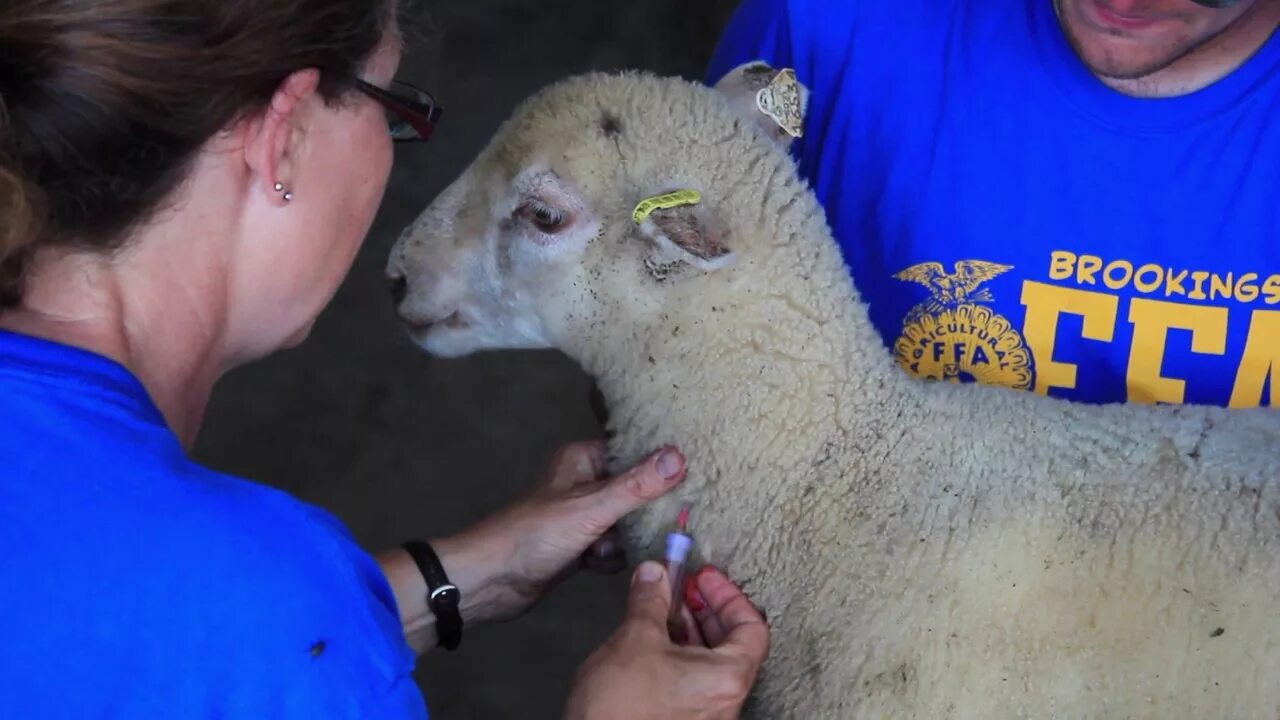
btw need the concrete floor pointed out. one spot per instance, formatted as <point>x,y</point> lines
<point>397,444</point>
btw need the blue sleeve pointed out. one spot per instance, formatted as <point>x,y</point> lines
<point>757,30</point>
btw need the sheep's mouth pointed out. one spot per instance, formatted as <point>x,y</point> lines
<point>454,322</point>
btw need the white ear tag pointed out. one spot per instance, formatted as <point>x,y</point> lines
<point>780,100</point>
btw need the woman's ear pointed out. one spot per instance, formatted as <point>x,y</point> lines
<point>273,137</point>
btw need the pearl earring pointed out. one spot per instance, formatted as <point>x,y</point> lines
<point>287,196</point>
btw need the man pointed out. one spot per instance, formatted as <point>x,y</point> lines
<point>1079,198</point>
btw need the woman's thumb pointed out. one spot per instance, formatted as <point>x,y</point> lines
<point>650,594</point>
<point>639,486</point>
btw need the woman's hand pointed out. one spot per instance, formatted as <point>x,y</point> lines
<point>640,673</point>
<point>504,564</point>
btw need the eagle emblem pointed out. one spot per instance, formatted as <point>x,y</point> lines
<point>952,336</point>
<point>950,291</point>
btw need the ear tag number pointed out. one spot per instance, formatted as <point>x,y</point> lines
<point>780,100</point>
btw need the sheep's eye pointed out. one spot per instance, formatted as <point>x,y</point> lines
<point>544,217</point>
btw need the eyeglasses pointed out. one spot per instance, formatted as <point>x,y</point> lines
<point>412,112</point>
<point>1216,4</point>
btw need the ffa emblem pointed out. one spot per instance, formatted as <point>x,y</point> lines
<point>953,336</point>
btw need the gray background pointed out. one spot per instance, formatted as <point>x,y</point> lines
<point>398,444</point>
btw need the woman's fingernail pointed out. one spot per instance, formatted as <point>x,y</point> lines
<point>648,572</point>
<point>669,464</point>
<point>692,597</point>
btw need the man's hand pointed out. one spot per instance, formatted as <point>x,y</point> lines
<point>640,673</point>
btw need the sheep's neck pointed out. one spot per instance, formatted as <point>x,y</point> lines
<point>776,350</point>
<point>739,372</point>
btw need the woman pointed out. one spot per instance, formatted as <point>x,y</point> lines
<point>183,185</point>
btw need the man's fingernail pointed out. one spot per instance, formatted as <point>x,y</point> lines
<point>669,464</point>
<point>648,572</point>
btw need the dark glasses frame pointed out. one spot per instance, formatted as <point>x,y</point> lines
<point>417,110</point>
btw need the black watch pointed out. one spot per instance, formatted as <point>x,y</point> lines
<point>443,597</point>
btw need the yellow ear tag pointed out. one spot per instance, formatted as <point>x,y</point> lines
<point>670,200</point>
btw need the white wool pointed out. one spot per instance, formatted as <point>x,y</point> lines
<point>922,550</point>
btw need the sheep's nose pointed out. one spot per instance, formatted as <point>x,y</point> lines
<point>399,288</point>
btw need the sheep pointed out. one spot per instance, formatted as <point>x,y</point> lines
<point>921,549</point>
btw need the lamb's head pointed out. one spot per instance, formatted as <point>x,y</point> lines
<point>545,241</point>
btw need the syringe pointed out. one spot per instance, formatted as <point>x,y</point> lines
<point>679,543</point>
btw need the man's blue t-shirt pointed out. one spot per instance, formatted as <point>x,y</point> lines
<point>1012,220</point>
<point>137,584</point>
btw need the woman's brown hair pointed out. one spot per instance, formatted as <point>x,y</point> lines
<point>104,103</point>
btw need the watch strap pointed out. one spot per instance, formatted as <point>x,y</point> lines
<point>443,596</point>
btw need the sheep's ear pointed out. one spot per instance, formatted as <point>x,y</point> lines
<point>687,235</point>
<point>774,100</point>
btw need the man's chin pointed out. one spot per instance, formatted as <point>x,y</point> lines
<point>1121,74</point>
<point>1118,56</point>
